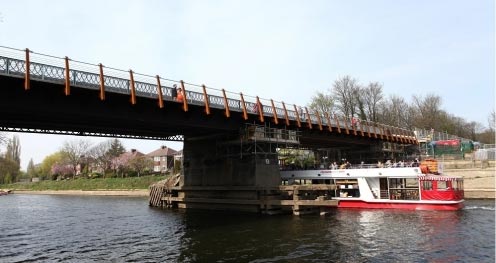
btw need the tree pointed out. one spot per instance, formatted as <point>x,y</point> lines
<point>75,152</point>
<point>116,148</point>
<point>345,95</point>
<point>100,154</point>
<point>140,164</point>
<point>14,150</point>
<point>9,170</point>
<point>61,169</point>
<point>121,163</point>
<point>492,120</point>
<point>31,170</point>
<point>322,103</point>
<point>3,138</point>
<point>372,96</point>
<point>48,162</point>
<point>428,109</point>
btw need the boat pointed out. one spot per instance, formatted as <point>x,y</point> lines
<point>365,186</point>
<point>4,192</point>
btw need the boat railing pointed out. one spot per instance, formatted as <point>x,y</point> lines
<point>404,194</point>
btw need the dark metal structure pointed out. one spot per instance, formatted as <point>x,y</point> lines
<point>46,94</point>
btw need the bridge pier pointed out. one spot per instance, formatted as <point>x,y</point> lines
<point>226,172</point>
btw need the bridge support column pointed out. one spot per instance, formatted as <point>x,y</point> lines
<point>223,173</point>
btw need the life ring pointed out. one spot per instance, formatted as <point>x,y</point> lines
<point>424,169</point>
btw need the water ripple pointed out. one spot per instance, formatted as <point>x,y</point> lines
<point>117,229</point>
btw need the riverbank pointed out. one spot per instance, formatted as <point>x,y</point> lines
<point>101,192</point>
<point>479,183</point>
<point>87,185</point>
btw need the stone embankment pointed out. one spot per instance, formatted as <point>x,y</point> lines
<point>478,177</point>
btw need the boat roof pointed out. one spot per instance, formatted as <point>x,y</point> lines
<point>400,172</point>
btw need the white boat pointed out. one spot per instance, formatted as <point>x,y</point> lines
<point>399,188</point>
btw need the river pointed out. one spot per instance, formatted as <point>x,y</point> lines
<point>44,228</point>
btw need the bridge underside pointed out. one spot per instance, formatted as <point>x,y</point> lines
<point>219,167</point>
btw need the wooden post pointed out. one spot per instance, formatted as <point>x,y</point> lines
<point>27,75</point>
<point>329,125</point>
<point>297,116</point>
<point>67,78</point>
<point>361,128</point>
<point>159,92</point>
<point>337,122</point>
<point>346,125</point>
<point>260,110</point>
<point>354,126</point>
<point>185,99</point>
<point>205,100</point>
<point>318,119</point>
<point>368,128</point>
<point>245,113</point>
<point>276,121</point>
<point>226,104</point>
<point>102,83</point>
<point>375,129</point>
<point>285,114</point>
<point>133,90</point>
<point>309,121</point>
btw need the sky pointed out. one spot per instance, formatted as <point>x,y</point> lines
<point>285,50</point>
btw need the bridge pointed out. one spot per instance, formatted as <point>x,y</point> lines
<point>229,139</point>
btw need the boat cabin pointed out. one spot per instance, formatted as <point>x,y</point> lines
<point>408,183</point>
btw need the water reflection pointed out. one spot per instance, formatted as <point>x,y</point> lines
<point>56,228</point>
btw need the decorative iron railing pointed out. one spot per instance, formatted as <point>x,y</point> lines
<point>88,76</point>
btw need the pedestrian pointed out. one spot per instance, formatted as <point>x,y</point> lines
<point>180,95</point>
<point>174,92</point>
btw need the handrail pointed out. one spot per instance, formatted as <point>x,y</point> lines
<point>47,68</point>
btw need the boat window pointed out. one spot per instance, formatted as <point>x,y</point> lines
<point>396,183</point>
<point>427,185</point>
<point>442,185</point>
<point>411,183</point>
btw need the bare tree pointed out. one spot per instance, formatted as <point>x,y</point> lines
<point>75,152</point>
<point>322,103</point>
<point>372,95</point>
<point>428,109</point>
<point>395,111</point>
<point>492,120</point>
<point>101,155</point>
<point>345,95</point>
<point>3,138</point>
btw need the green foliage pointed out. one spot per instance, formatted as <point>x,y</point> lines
<point>14,150</point>
<point>31,170</point>
<point>116,148</point>
<point>129,183</point>
<point>9,170</point>
<point>48,162</point>
<point>322,102</point>
<point>8,178</point>
<point>177,166</point>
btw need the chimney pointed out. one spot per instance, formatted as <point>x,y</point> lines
<point>163,146</point>
<point>133,150</point>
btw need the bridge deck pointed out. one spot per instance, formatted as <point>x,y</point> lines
<point>73,75</point>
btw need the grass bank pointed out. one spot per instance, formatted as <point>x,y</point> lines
<point>88,184</point>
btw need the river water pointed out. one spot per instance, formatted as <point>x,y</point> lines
<point>43,228</point>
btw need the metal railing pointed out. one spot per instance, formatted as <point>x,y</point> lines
<point>106,79</point>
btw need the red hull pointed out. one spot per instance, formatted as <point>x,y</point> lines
<point>398,205</point>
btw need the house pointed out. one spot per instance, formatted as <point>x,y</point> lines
<point>163,159</point>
